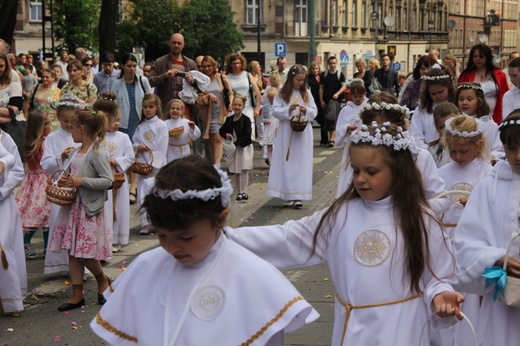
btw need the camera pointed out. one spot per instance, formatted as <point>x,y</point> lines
<point>181,74</point>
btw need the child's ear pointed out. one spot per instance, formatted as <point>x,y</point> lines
<point>221,220</point>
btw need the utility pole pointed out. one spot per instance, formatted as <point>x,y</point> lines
<point>259,44</point>
<point>312,30</point>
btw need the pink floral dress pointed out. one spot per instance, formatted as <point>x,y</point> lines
<point>84,236</point>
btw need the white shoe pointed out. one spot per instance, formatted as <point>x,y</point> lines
<point>144,231</point>
<point>116,248</point>
<point>288,204</point>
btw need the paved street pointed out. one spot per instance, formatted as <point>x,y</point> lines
<point>42,324</point>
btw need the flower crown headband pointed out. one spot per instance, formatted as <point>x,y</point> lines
<point>209,194</point>
<point>382,137</point>
<point>69,100</point>
<point>357,80</point>
<point>464,134</point>
<point>469,86</point>
<point>383,106</point>
<point>507,123</point>
<point>441,77</point>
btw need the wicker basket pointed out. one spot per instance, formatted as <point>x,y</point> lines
<point>297,124</point>
<point>62,196</point>
<point>142,168</point>
<point>119,179</point>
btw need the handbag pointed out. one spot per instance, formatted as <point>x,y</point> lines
<point>333,109</point>
<point>225,92</point>
<point>252,95</point>
<point>16,129</point>
<point>229,149</point>
<point>375,87</point>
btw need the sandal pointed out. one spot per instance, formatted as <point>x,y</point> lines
<point>133,197</point>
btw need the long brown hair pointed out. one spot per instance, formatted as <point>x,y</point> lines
<point>34,134</point>
<point>409,205</point>
<point>288,87</point>
<point>95,123</point>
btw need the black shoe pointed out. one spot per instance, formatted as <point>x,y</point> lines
<point>245,197</point>
<point>267,162</point>
<point>239,197</point>
<point>133,198</point>
<point>71,306</point>
<point>100,298</point>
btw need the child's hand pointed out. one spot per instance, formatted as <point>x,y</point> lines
<point>351,128</point>
<point>267,121</point>
<point>513,266</point>
<point>65,153</point>
<point>113,162</point>
<point>142,147</point>
<point>2,167</point>
<point>448,303</point>
<point>191,124</point>
<point>229,136</point>
<point>463,201</point>
<point>70,181</point>
<point>303,109</point>
<point>293,106</point>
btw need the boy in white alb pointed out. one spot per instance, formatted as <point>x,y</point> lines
<point>181,131</point>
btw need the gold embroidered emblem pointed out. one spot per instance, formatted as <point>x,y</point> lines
<point>112,147</point>
<point>372,248</point>
<point>176,132</point>
<point>462,186</point>
<point>149,136</point>
<point>208,302</point>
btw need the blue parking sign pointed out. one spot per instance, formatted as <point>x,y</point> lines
<point>280,49</point>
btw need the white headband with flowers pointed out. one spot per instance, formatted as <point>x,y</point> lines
<point>464,134</point>
<point>382,137</point>
<point>384,106</point>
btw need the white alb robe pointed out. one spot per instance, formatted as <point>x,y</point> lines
<point>51,161</point>
<point>292,179</point>
<point>481,238</point>
<point>154,134</point>
<point>224,300</point>
<point>365,259</point>
<point>179,140</point>
<point>422,127</point>
<point>13,280</point>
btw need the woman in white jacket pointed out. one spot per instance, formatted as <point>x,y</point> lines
<point>130,90</point>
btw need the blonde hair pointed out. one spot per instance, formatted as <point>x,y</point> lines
<point>94,122</point>
<point>176,101</point>
<point>275,77</point>
<point>464,123</point>
<point>271,93</point>
<point>375,62</point>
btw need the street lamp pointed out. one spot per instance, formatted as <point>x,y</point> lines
<point>431,26</point>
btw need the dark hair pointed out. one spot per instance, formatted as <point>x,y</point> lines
<point>426,101</point>
<point>94,122</point>
<point>425,61</point>
<point>232,57</point>
<point>157,100</point>
<point>85,60</point>
<point>187,173</point>
<point>486,52</point>
<point>514,63</point>
<point>288,86</point>
<point>482,107</point>
<point>107,104</point>
<point>409,205</point>
<point>333,57</point>
<point>441,111</point>
<point>127,57</point>
<point>396,117</point>
<point>107,57</point>
<point>357,89</point>
<point>510,135</point>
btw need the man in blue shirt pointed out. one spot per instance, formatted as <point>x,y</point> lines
<point>105,78</point>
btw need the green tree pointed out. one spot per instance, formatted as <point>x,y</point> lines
<point>209,29</point>
<point>76,23</point>
<point>149,24</point>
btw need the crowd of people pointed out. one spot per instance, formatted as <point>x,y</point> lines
<point>425,202</point>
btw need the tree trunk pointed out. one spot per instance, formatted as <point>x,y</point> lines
<point>8,10</point>
<point>107,26</point>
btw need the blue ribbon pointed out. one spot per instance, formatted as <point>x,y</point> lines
<point>497,276</point>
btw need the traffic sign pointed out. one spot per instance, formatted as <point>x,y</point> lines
<point>280,49</point>
<point>343,56</point>
<point>396,66</point>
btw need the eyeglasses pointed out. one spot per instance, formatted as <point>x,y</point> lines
<point>88,65</point>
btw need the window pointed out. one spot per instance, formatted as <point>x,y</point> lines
<point>252,12</point>
<point>334,12</point>
<point>345,12</point>
<point>35,11</point>
<point>300,17</point>
<point>354,14</point>
<point>364,14</point>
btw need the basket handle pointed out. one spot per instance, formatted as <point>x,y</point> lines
<point>514,235</point>
<point>151,154</point>
<point>452,192</point>
<point>474,333</point>
<point>63,172</point>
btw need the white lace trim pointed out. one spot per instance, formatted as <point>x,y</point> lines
<point>209,194</point>
<point>464,134</point>
<point>381,137</point>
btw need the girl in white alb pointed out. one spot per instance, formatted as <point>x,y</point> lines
<point>58,145</point>
<point>373,238</point>
<point>437,148</point>
<point>181,131</point>
<point>482,235</point>
<point>207,290</point>
<point>121,156</point>
<point>13,274</point>
<point>150,146</point>
<point>348,121</point>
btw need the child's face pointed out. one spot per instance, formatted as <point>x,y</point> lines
<point>149,109</point>
<point>65,119</point>
<point>46,128</point>
<point>358,99</point>
<point>463,151</point>
<point>299,81</point>
<point>468,101</point>
<point>439,93</point>
<point>78,132</point>
<point>238,105</point>
<point>372,176</point>
<point>513,157</point>
<point>114,123</point>
<point>175,111</point>
<point>191,245</point>
<point>440,124</point>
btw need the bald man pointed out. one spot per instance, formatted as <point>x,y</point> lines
<point>169,70</point>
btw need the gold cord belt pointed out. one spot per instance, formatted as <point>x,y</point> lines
<point>350,307</point>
